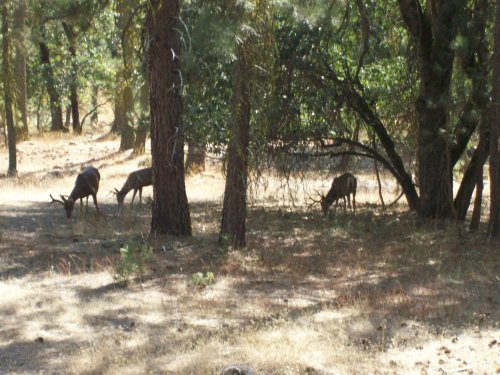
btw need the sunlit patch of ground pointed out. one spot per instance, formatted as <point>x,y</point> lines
<point>372,293</point>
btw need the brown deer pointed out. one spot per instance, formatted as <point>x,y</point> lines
<point>87,183</point>
<point>342,187</point>
<point>135,181</point>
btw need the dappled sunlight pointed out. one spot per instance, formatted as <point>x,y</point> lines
<point>342,293</point>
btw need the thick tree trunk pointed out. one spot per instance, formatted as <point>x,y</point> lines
<point>434,32</point>
<point>435,174</point>
<point>19,28</point>
<point>235,207</point>
<point>170,211</point>
<point>7,88</point>
<point>494,220</point>
<point>54,98</point>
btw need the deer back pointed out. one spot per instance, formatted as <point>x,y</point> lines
<point>142,177</point>
<point>344,185</point>
<point>135,180</point>
<point>341,186</point>
<point>87,183</point>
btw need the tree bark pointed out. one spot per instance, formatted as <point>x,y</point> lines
<point>476,65</point>
<point>494,220</point>
<point>73,85</point>
<point>127,131</point>
<point>144,121</point>
<point>476,212</point>
<point>54,98</point>
<point>19,28</point>
<point>94,118</point>
<point>170,211</point>
<point>123,22</point>
<point>434,32</point>
<point>7,88</point>
<point>67,117</point>
<point>235,208</point>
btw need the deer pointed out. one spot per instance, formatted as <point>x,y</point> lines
<point>87,183</point>
<point>342,187</point>
<point>135,181</point>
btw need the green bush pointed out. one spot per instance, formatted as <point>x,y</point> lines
<point>202,280</point>
<point>135,257</point>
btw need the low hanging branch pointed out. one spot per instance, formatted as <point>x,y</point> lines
<point>368,152</point>
<point>326,79</point>
<point>92,111</point>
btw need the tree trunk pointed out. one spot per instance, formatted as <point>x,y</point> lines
<point>19,28</point>
<point>144,121</point>
<point>494,220</point>
<point>7,88</point>
<point>124,26</point>
<point>170,211</point>
<point>94,118</point>
<point>476,66</point>
<point>67,117</point>
<point>195,159</point>
<point>119,111</point>
<point>127,131</point>
<point>434,32</point>
<point>54,98</point>
<point>235,208</point>
<point>476,212</point>
<point>73,76</point>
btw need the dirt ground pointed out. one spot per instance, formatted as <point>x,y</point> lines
<point>374,293</point>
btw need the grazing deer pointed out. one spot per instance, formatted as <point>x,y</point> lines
<point>135,181</point>
<point>87,183</point>
<point>342,187</point>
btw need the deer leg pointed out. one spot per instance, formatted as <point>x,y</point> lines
<point>133,197</point>
<point>81,204</point>
<point>87,204</point>
<point>354,201</point>
<point>94,197</point>
<point>140,196</point>
<point>349,202</point>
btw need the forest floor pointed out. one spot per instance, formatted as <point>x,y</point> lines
<point>374,293</point>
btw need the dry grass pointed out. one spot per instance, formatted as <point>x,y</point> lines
<point>376,293</point>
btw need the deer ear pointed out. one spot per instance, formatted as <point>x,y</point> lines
<point>117,191</point>
<point>62,197</point>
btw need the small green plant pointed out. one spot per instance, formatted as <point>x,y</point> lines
<point>202,280</point>
<point>134,259</point>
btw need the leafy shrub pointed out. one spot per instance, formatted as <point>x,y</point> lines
<point>202,280</point>
<point>134,259</point>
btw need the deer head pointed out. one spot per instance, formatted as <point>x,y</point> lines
<point>119,197</point>
<point>68,204</point>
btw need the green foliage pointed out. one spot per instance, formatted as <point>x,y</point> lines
<point>202,280</point>
<point>135,257</point>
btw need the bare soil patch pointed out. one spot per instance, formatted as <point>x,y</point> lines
<point>375,293</point>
